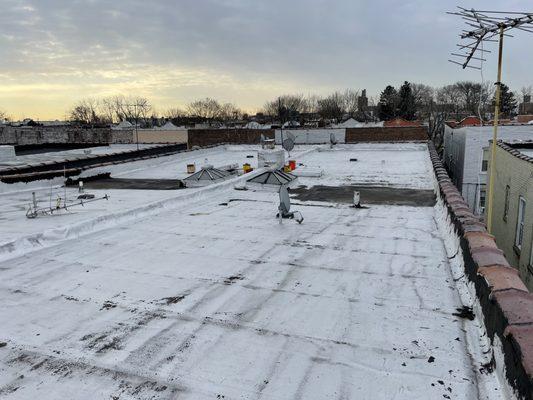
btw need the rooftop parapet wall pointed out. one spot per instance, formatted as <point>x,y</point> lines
<point>515,151</point>
<point>387,134</point>
<point>75,165</point>
<point>507,304</point>
<point>210,137</point>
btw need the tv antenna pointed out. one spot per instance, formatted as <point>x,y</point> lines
<point>486,26</point>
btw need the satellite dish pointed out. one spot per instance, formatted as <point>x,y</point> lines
<point>284,200</point>
<point>288,144</point>
<point>285,206</point>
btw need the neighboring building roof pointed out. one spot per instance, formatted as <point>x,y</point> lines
<point>123,125</point>
<point>524,119</point>
<point>352,123</point>
<point>401,122</point>
<point>470,121</point>
<point>255,125</point>
<point>520,149</point>
<point>169,126</point>
<point>291,124</point>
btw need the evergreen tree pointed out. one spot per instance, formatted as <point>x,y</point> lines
<point>508,102</point>
<point>388,104</point>
<point>406,105</point>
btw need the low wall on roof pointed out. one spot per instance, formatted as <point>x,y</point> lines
<point>74,165</point>
<point>62,134</point>
<point>313,136</point>
<point>209,137</point>
<point>506,303</point>
<point>387,134</point>
<point>162,136</point>
<point>54,134</point>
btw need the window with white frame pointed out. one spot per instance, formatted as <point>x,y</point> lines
<point>520,222</point>
<point>482,200</point>
<point>485,160</point>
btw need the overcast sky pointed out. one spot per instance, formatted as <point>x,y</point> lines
<point>54,52</point>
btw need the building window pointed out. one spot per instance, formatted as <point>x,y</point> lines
<point>485,160</point>
<point>482,200</point>
<point>506,205</point>
<point>520,222</point>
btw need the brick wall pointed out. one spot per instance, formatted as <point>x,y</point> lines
<point>506,303</point>
<point>209,137</point>
<point>386,134</point>
<point>54,134</point>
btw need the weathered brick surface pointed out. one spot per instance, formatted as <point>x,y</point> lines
<point>386,134</point>
<point>210,137</point>
<point>502,278</point>
<point>506,303</point>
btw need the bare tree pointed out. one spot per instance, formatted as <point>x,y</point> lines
<point>332,106</point>
<point>524,92</point>
<point>3,116</point>
<point>229,111</point>
<point>424,96</point>
<point>175,112</point>
<point>121,108</point>
<point>350,102</point>
<point>86,111</point>
<point>448,98</point>
<point>296,103</point>
<point>207,108</point>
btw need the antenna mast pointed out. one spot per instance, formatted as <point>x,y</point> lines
<point>485,27</point>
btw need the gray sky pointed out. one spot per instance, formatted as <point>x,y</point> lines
<point>54,52</point>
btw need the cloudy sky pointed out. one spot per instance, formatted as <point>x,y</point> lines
<point>55,52</point>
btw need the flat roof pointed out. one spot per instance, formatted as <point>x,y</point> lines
<point>206,295</point>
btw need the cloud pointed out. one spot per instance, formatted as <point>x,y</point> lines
<point>240,50</point>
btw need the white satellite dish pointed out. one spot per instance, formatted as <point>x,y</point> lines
<point>332,139</point>
<point>284,208</point>
<point>288,144</point>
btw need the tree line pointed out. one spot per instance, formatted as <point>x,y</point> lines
<point>410,101</point>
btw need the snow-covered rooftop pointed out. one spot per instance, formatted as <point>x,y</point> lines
<point>201,293</point>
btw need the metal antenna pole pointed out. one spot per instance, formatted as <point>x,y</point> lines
<point>488,25</point>
<point>490,199</point>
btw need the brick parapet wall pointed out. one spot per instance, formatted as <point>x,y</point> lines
<point>506,303</point>
<point>210,137</point>
<point>387,134</point>
<point>35,135</point>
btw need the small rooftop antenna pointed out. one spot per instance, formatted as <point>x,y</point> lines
<point>486,26</point>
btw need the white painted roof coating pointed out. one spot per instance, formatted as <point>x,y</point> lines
<point>208,297</point>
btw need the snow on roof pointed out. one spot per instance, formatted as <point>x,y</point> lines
<point>169,126</point>
<point>201,293</point>
<point>291,124</point>
<point>256,125</point>
<point>123,125</point>
<point>352,123</point>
